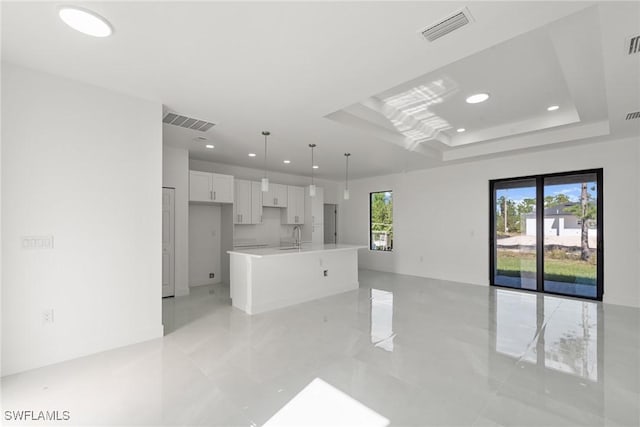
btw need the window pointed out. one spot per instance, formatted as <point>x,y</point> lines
<point>381,221</point>
<point>546,233</point>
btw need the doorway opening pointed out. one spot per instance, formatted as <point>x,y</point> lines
<point>330,223</point>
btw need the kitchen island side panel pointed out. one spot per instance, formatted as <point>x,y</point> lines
<point>282,281</point>
<point>240,278</point>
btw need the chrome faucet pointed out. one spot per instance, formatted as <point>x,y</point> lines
<point>297,233</point>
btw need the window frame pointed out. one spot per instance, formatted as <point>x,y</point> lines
<point>371,224</point>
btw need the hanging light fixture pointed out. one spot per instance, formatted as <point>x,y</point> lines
<point>312,187</point>
<point>265,180</point>
<point>346,177</point>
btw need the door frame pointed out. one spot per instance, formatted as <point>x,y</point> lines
<point>172,267</point>
<point>539,179</point>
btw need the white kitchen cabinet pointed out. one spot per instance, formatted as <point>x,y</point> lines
<point>222,188</point>
<point>276,197</point>
<point>200,186</point>
<point>313,230</point>
<point>242,202</point>
<point>247,207</point>
<point>210,187</point>
<point>256,203</point>
<point>269,197</point>
<point>294,213</point>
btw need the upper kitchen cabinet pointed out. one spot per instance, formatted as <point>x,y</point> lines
<point>242,202</point>
<point>247,207</point>
<point>294,213</point>
<point>276,197</point>
<point>256,203</point>
<point>200,186</point>
<point>210,187</point>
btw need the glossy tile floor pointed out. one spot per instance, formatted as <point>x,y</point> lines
<point>416,351</point>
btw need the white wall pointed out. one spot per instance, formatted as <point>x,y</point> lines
<point>0,211</point>
<point>441,216</point>
<point>204,244</point>
<point>84,165</point>
<point>175,174</point>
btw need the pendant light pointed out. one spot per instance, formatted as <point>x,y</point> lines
<point>312,187</point>
<point>346,177</point>
<point>265,180</point>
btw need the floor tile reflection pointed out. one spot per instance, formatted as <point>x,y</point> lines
<point>382,319</point>
<point>416,351</point>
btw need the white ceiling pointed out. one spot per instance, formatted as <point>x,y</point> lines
<point>311,73</point>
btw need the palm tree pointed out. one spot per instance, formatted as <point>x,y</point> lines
<point>585,211</point>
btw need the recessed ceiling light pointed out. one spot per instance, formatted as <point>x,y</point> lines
<point>85,21</point>
<point>553,108</point>
<point>460,130</point>
<point>477,98</point>
<point>252,154</point>
<point>200,138</point>
<point>209,146</point>
<point>286,162</point>
<point>316,166</point>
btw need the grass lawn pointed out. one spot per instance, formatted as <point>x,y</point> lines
<point>559,270</point>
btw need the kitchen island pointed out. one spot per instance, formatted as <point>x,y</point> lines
<point>270,278</point>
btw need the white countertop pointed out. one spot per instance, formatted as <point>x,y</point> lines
<point>288,250</point>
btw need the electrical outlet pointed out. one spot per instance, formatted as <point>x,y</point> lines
<point>212,275</point>
<point>326,273</point>
<point>47,315</point>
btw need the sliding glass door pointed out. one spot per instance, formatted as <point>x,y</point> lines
<point>571,234</point>
<point>546,233</point>
<point>514,209</point>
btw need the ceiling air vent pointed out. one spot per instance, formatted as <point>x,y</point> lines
<point>634,45</point>
<point>447,25</point>
<point>187,122</point>
<point>634,115</point>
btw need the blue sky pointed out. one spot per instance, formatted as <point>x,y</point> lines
<point>572,191</point>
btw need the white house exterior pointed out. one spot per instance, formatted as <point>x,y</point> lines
<point>557,222</point>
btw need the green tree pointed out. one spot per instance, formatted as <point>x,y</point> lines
<point>513,219</point>
<point>382,213</point>
<point>586,211</point>
<point>500,216</point>
<point>526,206</point>
<point>507,216</point>
<point>557,200</point>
